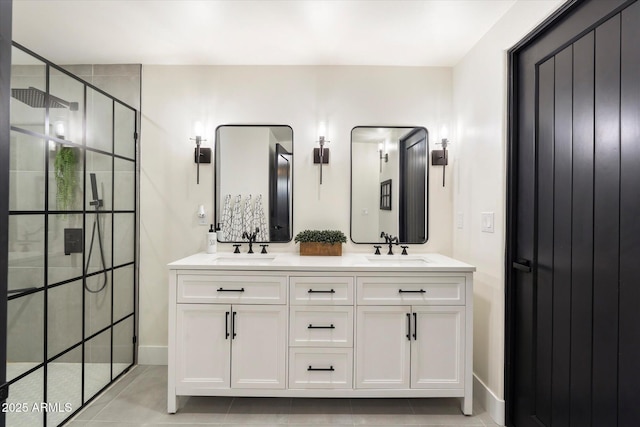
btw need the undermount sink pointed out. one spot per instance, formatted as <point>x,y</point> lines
<point>244,259</point>
<point>408,260</point>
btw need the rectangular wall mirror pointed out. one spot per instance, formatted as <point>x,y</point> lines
<point>254,182</point>
<point>389,177</point>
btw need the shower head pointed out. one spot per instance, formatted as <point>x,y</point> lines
<point>36,98</point>
<point>94,191</point>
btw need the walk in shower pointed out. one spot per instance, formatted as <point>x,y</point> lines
<point>72,239</point>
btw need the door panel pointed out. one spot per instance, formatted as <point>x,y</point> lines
<point>413,170</point>
<point>581,234</point>
<point>383,349</point>
<point>574,209</point>
<point>606,219</point>
<point>259,349</point>
<point>629,333</point>
<point>203,363</point>
<point>437,349</point>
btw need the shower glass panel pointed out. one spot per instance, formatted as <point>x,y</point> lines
<point>64,309</point>
<point>72,239</point>
<point>97,364</point>
<point>26,392</point>
<point>64,385</point>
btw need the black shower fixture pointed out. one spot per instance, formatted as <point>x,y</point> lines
<point>36,98</point>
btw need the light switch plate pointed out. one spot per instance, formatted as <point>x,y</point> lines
<point>487,222</point>
<point>460,220</point>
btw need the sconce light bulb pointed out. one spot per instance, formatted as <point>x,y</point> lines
<point>444,133</point>
<point>380,146</point>
<point>198,129</point>
<point>322,130</point>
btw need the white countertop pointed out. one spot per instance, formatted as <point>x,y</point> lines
<point>347,262</point>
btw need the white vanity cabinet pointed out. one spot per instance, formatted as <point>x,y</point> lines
<point>419,344</point>
<point>320,327</point>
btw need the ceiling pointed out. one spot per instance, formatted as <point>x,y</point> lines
<point>255,32</point>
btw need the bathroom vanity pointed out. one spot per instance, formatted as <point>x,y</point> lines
<point>351,326</point>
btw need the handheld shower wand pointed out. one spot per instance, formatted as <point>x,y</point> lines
<point>97,203</point>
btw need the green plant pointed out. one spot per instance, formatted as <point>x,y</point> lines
<point>321,236</point>
<point>65,174</point>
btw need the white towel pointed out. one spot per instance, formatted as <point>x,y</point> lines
<point>236,220</point>
<point>247,217</point>
<point>260,221</point>
<point>225,220</point>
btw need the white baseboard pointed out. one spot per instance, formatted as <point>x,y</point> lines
<point>152,355</point>
<point>485,397</point>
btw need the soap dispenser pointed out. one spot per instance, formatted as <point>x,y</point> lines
<point>212,240</point>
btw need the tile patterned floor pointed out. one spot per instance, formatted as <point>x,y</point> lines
<point>139,399</point>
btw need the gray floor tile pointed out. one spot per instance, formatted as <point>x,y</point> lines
<point>381,406</point>
<point>139,399</point>
<point>108,395</point>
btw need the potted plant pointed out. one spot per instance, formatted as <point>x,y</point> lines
<point>65,175</point>
<point>321,242</point>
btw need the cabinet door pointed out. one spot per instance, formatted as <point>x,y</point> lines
<point>203,357</point>
<point>383,349</point>
<point>437,349</point>
<point>259,347</point>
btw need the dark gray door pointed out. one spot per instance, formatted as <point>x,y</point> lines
<point>5,85</point>
<point>573,320</point>
<point>280,199</point>
<point>412,201</point>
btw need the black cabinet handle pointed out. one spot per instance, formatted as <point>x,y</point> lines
<point>311,368</point>
<point>421,291</point>
<point>522,265</point>
<point>409,326</point>
<point>233,325</point>
<point>230,290</point>
<point>415,326</point>
<point>226,325</point>
<point>320,327</point>
<point>311,291</point>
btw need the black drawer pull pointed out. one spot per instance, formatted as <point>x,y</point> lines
<point>230,290</point>
<point>320,327</point>
<point>311,291</point>
<point>421,291</point>
<point>329,369</point>
<point>226,325</point>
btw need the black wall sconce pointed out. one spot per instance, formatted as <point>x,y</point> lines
<point>384,156</point>
<point>441,157</point>
<point>321,155</point>
<point>201,154</point>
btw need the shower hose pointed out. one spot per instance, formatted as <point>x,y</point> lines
<point>96,225</point>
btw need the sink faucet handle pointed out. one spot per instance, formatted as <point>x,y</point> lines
<point>377,249</point>
<point>404,250</point>
<point>237,248</point>
<point>264,249</point>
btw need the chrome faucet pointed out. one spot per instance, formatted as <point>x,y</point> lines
<point>251,237</point>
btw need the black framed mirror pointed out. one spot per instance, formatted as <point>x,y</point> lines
<point>389,183</point>
<point>254,182</point>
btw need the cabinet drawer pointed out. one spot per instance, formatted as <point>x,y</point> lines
<point>336,290</point>
<point>428,290</point>
<point>203,288</point>
<point>321,326</point>
<point>320,368</point>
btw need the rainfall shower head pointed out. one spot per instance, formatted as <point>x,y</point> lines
<point>36,98</point>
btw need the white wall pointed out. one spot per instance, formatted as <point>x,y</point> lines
<point>479,160</point>
<point>174,97</point>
